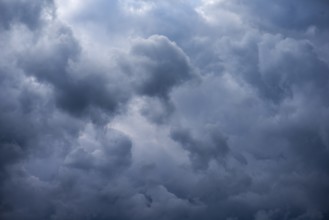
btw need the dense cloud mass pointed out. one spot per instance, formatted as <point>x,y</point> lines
<point>170,110</point>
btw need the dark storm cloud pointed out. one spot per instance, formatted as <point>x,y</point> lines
<point>26,12</point>
<point>289,15</point>
<point>50,61</point>
<point>26,114</point>
<point>113,153</point>
<point>276,65</point>
<point>153,67</point>
<point>33,78</point>
<point>164,110</point>
<point>211,145</point>
<point>164,65</point>
<point>158,110</point>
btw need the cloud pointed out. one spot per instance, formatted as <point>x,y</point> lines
<point>28,13</point>
<point>211,145</point>
<point>164,110</point>
<point>302,14</point>
<point>164,66</point>
<point>107,150</point>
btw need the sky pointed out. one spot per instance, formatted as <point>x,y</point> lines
<point>167,109</point>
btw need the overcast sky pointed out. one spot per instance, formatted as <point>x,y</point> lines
<point>167,110</point>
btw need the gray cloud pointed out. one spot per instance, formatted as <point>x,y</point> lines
<point>28,13</point>
<point>164,110</point>
<point>164,65</point>
<point>211,145</point>
<point>289,15</point>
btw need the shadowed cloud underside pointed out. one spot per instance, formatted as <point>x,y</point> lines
<point>170,110</point>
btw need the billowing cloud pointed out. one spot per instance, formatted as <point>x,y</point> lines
<point>26,12</point>
<point>164,110</point>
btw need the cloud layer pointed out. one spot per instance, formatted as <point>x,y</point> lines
<point>133,109</point>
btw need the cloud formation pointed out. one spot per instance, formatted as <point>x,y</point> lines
<point>164,110</point>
